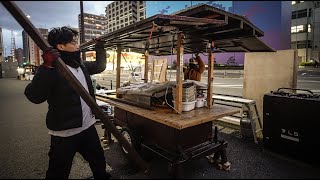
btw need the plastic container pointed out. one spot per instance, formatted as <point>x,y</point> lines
<point>200,102</point>
<point>186,106</point>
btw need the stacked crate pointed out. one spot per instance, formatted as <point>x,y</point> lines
<point>188,93</point>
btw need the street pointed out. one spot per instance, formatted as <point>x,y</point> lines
<point>25,143</point>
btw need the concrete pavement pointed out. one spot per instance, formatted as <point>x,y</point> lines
<point>24,144</point>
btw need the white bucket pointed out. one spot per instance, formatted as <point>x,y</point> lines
<point>186,106</point>
<point>200,102</point>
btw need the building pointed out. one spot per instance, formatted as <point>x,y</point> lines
<point>94,26</point>
<point>25,45</point>
<point>123,13</point>
<point>1,52</point>
<point>19,56</point>
<point>305,30</point>
<point>9,67</point>
<point>1,47</point>
<point>32,52</point>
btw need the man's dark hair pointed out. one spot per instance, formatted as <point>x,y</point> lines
<point>61,35</point>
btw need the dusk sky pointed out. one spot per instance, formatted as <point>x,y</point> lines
<point>269,16</point>
<point>46,14</point>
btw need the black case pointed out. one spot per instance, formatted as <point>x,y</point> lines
<point>291,124</point>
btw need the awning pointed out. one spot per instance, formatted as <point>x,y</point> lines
<point>200,24</point>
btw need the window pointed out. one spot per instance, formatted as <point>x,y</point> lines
<point>310,12</point>
<point>293,2</point>
<point>303,44</point>
<point>300,14</point>
<point>300,29</point>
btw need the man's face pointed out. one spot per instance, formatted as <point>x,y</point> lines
<point>70,47</point>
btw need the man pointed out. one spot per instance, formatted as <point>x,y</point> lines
<point>69,119</point>
<point>195,69</point>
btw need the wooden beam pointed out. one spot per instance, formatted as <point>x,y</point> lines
<point>179,74</point>
<point>21,18</point>
<point>210,76</point>
<point>118,68</point>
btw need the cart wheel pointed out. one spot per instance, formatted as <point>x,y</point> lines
<point>132,138</point>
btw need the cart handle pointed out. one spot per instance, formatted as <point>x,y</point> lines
<point>297,89</point>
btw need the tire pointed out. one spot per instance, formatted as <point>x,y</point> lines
<point>132,137</point>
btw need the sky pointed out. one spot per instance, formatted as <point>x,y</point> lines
<point>45,14</point>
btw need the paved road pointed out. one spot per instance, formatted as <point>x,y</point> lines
<point>24,144</point>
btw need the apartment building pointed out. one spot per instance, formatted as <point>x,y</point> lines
<point>32,53</point>
<point>123,13</point>
<point>1,47</point>
<point>94,26</point>
<point>305,30</point>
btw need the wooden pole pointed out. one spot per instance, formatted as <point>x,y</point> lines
<point>118,68</point>
<point>179,74</point>
<point>82,30</point>
<point>76,85</point>
<point>210,75</point>
<point>146,61</point>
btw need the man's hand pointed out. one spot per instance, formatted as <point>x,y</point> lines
<point>99,43</point>
<point>49,56</point>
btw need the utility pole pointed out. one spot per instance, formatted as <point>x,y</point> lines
<point>82,38</point>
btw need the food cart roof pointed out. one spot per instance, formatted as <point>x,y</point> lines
<point>200,24</point>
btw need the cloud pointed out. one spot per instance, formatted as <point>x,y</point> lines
<point>46,14</point>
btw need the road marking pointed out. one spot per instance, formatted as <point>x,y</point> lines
<point>238,86</point>
<point>308,81</point>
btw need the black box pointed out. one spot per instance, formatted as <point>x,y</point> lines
<point>291,125</point>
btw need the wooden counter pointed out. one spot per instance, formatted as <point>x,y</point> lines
<point>169,117</point>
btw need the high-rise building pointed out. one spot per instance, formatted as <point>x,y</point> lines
<point>25,44</point>
<point>94,26</point>
<point>19,56</point>
<point>305,30</point>
<point>32,52</point>
<point>1,47</point>
<point>122,13</point>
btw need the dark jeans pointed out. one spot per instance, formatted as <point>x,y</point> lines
<point>63,149</point>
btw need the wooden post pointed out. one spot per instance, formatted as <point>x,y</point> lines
<point>210,75</point>
<point>82,38</point>
<point>146,61</point>
<point>118,68</point>
<point>75,84</point>
<point>179,74</point>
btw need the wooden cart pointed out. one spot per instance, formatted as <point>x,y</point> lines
<point>178,137</point>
